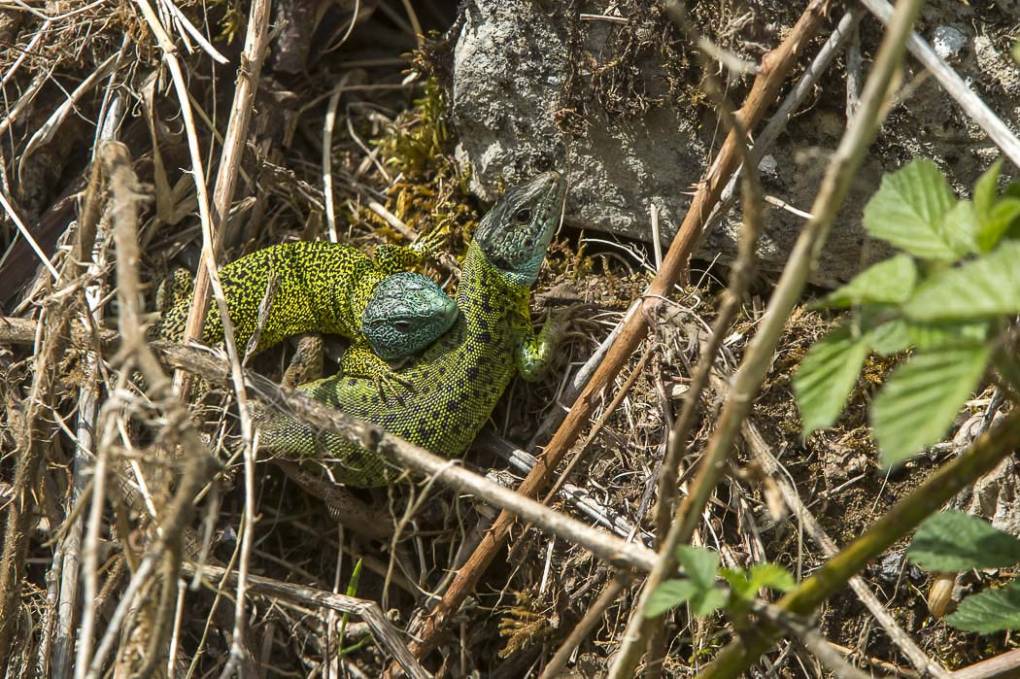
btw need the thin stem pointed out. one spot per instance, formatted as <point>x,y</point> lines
<point>642,632</point>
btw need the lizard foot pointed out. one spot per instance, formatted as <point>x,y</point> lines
<point>389,386</point>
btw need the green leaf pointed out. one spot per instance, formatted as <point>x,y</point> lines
<point>928,336</point>
<point>994,215</point>
<point>1002,216</point>
<point>699,564</point>
<point>986,189</point>
<point>908,209</point>
<point>669,595</point>
<point>745,583</point>
<point>888,282</point>
<point>956,541</point>
<point>738,580</point>
<point>706,601</point>
<point>959,228</point>
<point>921,398</point>
<point>771,575</point>
<point>352,585</point>
<point>826,376</point>
<point>990,611</point>
<point>986,287</point>
<point>889,338</point>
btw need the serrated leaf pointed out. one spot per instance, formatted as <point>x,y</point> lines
<point>986,287</point>
<point>888,282</point>
<point>994,216</point>
<point>706,601</point>
<point>826,376</point>
<point>956,541</point>
<point>908,208</point>
<point>986,189</point>
<point>929,336</point>
<point>889,338</point>
<point>771,575</point>
<point>959,228</point>
<point>738,580</point>
<point>669,595</point>
<point>990,611</point>
<point>921,398</point>
<point>998,222</point>
<point>699,564</point>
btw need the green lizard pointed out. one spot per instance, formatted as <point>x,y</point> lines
<point>447,393</point>
<point>324,287</point>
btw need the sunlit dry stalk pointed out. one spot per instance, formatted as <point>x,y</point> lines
<point>196,462</point>
<point>32,441</point>
<point>757,359</point>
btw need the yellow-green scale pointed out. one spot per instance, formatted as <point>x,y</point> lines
<point>322,287</point>
<point>456,382</point>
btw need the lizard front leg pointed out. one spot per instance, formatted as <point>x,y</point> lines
<point>360,361</point>
<point>535,352</point>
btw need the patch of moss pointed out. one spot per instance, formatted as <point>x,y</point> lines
<point>429,192</point>
<point>233,21</point>
<point>524,624</point>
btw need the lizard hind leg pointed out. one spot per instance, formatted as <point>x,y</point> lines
<point>393,259</point>
<point>307,363</point>
<point>396,258</point>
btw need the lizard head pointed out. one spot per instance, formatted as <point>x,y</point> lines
<point>406,313</point>
<point>515,233</point>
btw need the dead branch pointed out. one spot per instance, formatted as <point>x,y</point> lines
<point>197,464</point>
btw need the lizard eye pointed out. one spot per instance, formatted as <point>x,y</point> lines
<point>402,326</point>
<point>523,216</point>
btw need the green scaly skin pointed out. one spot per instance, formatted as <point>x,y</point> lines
<point>324,287</point>
<point>448,393</point>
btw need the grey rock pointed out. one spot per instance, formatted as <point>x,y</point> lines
<point>534,88</point>
<point>948,41</point>
<point>511,71</point>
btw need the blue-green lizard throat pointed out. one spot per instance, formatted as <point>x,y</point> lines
<point>329,288</point>
<point>446,395</point>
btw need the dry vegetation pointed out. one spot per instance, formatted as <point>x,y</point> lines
<point>73,69</point>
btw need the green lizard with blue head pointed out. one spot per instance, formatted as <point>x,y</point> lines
<point>446,394</point>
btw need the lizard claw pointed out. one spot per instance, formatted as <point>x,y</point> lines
<point>387,383</point>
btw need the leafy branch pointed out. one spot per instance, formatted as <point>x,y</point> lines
<point>699,589</point>
<point>948,298</point>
